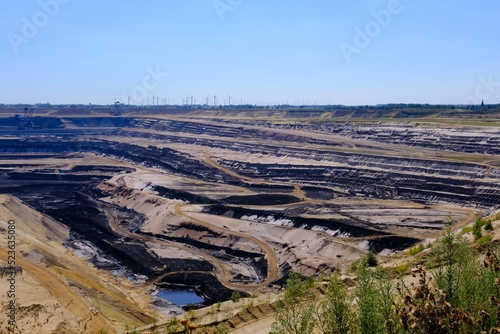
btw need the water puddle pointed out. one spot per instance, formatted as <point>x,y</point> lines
<point>179,297</point>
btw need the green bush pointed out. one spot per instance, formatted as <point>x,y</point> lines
<point>371,259</point>
<point>479,224</point>
<point>235,296</point>
<point>476,230</point>
<point>488,226</point>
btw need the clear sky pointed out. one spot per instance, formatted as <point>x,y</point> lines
<point>350,52</point>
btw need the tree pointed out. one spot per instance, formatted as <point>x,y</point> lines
<point>294,314</point>
<point>449,254</point>
<point>369,301</point>
<point>468,285</point>
<point>334,314</point>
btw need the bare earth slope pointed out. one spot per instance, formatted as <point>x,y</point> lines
<point>62,289</point>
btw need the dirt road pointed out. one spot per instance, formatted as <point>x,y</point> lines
<point>262,326</point>
<point>222,272</point>
<point>272,261</point>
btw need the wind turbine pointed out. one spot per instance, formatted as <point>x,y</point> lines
<point>215,99</point>
<point>206,99</point>
<point>230,97</point>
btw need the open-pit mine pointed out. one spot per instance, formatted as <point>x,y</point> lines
<point>113,208</point>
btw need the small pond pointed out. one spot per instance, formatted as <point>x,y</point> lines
<point>179,297</point>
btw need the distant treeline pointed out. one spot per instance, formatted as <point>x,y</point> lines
<point>390,106</point>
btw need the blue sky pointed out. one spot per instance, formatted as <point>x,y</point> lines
<point>321,51</point>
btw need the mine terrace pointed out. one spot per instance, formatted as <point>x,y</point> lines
<point>225,200</point>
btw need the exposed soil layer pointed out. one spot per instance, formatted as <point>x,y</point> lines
<point>257,260</point>
<point>368,175</point>
<point>261,199</point>
<point>419,182</point>
<point>266,188</point>
<point>441,138</point>
<point>320,193</point>
<point>35,122</point>
<point>396,243</point>
<point>251,183</point>
<point>183,195</point>
<point>69,206</point>
<point>67,203</point>
<point>344,226</point>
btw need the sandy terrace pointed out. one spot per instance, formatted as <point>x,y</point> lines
<point>58,291</point>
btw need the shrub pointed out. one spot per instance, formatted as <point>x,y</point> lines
<point>371,259</point>
<point>488,226</point>
<point>425,311</point>
<point>479,224</point>
<point>235,296</point>
<point>476,230</point>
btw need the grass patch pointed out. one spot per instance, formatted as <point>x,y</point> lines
<point>401,269</point>
<point>353,266</point>
<point>415,250</point>
<point>484,239</point>
<point>466,229</point>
